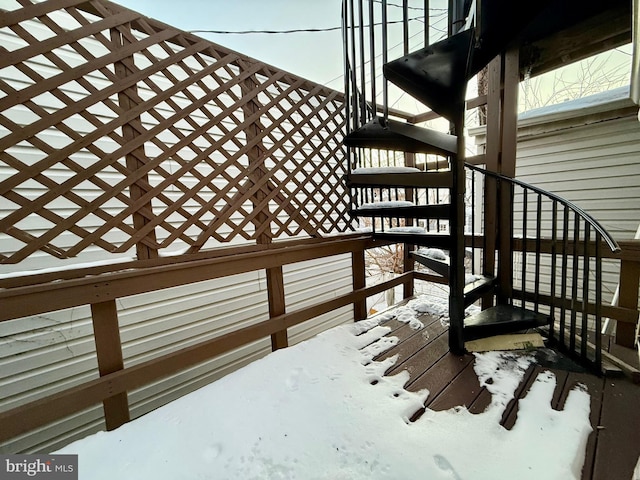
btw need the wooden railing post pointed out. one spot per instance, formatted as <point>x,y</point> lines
<point>629,285</point>
<point>275,281</point>
<point>275,292</point>
<point>134,159</point>
<point>507,167</point>
<point>359,282</point>
<point>106,332</point>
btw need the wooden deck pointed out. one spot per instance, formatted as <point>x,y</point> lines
<point>614,445</point>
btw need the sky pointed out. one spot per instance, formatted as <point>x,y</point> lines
<point>316,56</point>
<point>323,409</point>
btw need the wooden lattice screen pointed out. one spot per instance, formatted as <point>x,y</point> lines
<point>121,132</point>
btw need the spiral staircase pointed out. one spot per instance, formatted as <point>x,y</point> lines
<point>436,75</point>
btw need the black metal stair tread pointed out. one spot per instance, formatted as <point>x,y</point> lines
<point>436,75</point>
<point>395,135</point>
<point>405,179</point>
<point>438,240</point>
<point>476,289</point>
<point>502,319</point>
<point>415,211</point>
<point>439,266</point>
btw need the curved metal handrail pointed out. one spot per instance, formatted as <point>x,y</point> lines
<point>606,236</point>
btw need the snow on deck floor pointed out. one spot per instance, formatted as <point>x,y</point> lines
<point>323,409</point>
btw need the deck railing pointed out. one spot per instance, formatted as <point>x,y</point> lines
<point>103,287</point>
<point>550,260</point>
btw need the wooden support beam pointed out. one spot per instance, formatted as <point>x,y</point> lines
<point>629,285</point>
<point>507,166</point>
<point>106,333</point>
<point>492,163</point>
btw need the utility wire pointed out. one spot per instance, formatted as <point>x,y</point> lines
<point>296,30</point>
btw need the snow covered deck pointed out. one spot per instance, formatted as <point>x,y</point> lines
<point>613,446</point>
<point>384,399</point>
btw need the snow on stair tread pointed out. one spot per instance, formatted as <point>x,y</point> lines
<point>407,229</point>
<point>434,254</point>
<point>372,170</point>
<point>387,204</point>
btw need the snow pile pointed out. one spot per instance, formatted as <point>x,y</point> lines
<point>370,170</point>
<point>470,278</point>
<point>323,409</point>
<point>500,372</point>
<point>424,304</point>
<point>388,204</point>
<point>407,229</point>
<point>434,253</point>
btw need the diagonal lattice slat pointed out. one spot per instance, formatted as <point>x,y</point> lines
<point>120,133</point>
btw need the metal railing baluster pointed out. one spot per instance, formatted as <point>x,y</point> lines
<point>574,281</point>
<point>405,26</point>
<point>554,264</point>
<point>426,23</point>
<point>363,83</point>
<point>524,245</point>
<point>372,58</point>
<point>565,268</point>
<point>385,60</point>
<point>538,238</point>
<point>598,312</point>
<point>585,293</point>
<point>352,72</point>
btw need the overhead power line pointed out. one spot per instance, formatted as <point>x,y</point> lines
<point>296,30</point>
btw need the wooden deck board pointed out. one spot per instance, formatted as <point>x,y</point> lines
<point>595,386</point>
<point>618,439</point>
<point>463,390</point>
<point>511,412</point>
<point>613,447</point>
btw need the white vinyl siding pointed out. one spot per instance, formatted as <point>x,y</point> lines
<point>596,166</point>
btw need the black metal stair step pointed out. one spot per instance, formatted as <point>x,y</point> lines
<point>472,290</point>
<point>395,135</point>
<point>440,266</point>
<point>436,75</point>
<point>475,290</point>
<point>437,240</point>
<point>405,179</point>
<point>440,211</point>
<point>502,319</point>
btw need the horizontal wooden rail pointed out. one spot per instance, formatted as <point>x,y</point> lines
<point>27,417</point>
<point>620,314</point>
<point>56,295</point>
